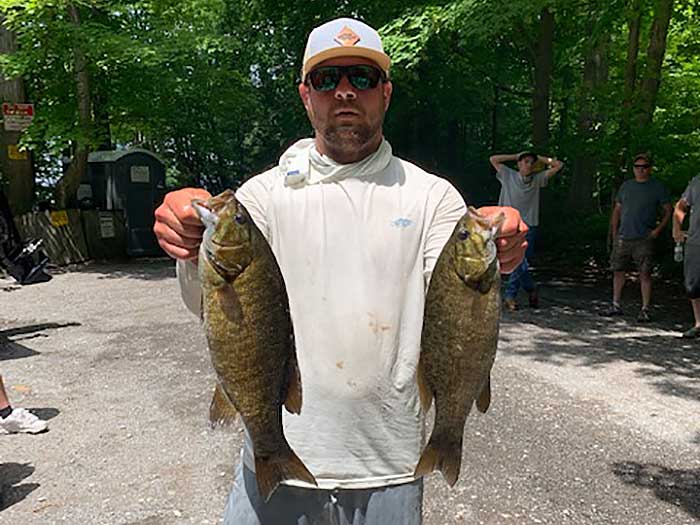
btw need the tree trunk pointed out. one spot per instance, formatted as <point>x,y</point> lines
<point>67,187</point>
<point>544,63</point>
<point>589,123</point>
<point>17,172</point>
<point>649,86</point>
<point>634,23</point>
<point>100,109</point>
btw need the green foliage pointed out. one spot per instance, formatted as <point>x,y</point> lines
<point>211,85</point>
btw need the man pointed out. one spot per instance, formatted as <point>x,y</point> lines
<point>691,265</point>
<point>521,190</point>
<point>634,228</point>
<point>356,232</point>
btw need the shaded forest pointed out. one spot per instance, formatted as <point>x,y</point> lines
<point>210,86</point>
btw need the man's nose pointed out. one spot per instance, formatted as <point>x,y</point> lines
<point>345,91</point>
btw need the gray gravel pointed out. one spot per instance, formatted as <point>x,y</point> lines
<point>593,420</point>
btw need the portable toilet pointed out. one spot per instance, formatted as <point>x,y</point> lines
<point>132,182</point>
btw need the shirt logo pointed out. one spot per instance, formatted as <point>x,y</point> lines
<point>347,37</point>
<point>402,223</point>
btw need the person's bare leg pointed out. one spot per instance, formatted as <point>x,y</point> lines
<point>618,284</point>
<point>645,285</point>
<point>4,401</point>
<point>696,311</point>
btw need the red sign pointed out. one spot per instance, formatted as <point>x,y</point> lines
<point>17,117</point>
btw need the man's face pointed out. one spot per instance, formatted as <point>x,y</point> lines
<point>642,168</point>
<point>347,120</point>
<point>525,165</point>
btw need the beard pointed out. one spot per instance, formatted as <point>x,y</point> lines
<point>347,140</point>
<point>350,136</point>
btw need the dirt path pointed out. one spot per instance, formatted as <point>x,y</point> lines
<point>594,420</point>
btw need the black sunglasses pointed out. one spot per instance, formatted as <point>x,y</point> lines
<point>641,165</point>
<point>361,77</point>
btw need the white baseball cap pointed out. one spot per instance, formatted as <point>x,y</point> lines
<point>344,37</point>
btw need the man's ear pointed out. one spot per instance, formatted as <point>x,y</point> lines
<point>387,89</point>
<point>304,94</point>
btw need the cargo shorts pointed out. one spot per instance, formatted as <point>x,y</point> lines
<point>628,251</point>
<point>691,270</point>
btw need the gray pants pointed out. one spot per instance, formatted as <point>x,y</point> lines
<point>395,504</point>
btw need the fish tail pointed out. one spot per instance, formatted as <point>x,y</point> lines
<point>446,458</point>
<point>273,470</point>
<point>484,400</point>
<point>221,411</point>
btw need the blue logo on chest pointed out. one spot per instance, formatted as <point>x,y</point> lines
<point>402,223</point>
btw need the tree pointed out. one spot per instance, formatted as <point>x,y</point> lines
<point>17,172</point>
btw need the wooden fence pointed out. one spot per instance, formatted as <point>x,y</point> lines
<point>74,236</point>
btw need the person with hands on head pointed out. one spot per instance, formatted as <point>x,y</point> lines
<point>521,190</point>
<point>356,232</point>
<point>634,228</point>
<point>689,203</point>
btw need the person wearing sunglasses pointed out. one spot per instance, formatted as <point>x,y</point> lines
<point>634,227</point>
<point>521,190</point>
<point>356,232</point>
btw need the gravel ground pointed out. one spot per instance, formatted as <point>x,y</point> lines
<point>593,420</point>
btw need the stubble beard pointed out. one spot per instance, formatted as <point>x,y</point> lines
<point>352,142</point>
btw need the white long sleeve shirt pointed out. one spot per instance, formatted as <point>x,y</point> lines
<point>356,248</point>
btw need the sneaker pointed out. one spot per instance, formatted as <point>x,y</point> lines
<point>692,333</point>
<point>643,316</point>
<point>22,420</point>
<point>533,299</point>
<point>510,304</point>
<point>614,311</point>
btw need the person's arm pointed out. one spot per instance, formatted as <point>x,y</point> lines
<point>498,160</point>
<point>679,213</point>
<point>615,220</point>
<point>553,165</point>
<point>668,210</point>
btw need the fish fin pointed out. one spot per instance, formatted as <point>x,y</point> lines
<point>221,411</point>
<point>447,460</point>
<point>293,400</point>
<point>485,285</point>
<point>424,392</point>
<point>230,304</point>
<point>272,471</point>
<point>484,400</point>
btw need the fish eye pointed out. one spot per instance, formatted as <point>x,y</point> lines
<point>239,218</point>
<point>463,235</point>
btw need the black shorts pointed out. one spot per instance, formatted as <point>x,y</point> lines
<point>691,270</point>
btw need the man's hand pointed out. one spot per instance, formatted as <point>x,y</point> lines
<point>178,228</point>
<point>511,241</point>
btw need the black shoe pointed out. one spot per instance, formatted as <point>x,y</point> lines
<point>613,311</point>
<point>692,333</point>
<point>644,316</point>
<point>533,299</point>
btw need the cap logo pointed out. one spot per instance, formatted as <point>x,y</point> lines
<point>347,37</point>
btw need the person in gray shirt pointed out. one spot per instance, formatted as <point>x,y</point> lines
<point>634,228</point>
<point>521,190</point>
<point>690,200</point>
